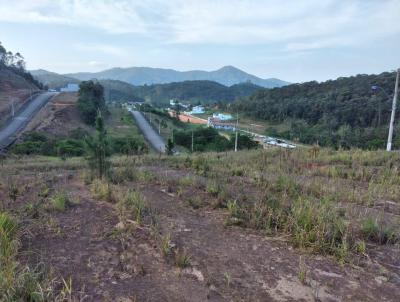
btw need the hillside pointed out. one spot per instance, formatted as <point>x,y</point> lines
<point>51,79</point>
<point>339,113</point>
<point>194,91</point>
<point>261,225</point>
<point>227,76</point>
<point>15,83</point>
<point>190,91</point>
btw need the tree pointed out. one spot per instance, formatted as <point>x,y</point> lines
<point>169,148</point>
<point>98,149</point>
<point>91,100</point>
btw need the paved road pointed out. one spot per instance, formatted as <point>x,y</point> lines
<point>9,132</point>
<point>151,135</point>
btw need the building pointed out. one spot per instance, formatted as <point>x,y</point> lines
<point>197,110</point>
<point>222,116</point>
<point>70,88</point>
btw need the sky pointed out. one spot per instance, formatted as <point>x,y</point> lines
<point>293,40</point>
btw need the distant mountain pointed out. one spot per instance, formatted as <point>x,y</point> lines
<point>227,76</point>
<point>53,80</point>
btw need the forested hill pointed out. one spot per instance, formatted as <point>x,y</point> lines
<point>341,113</point>
<point>194,91</point>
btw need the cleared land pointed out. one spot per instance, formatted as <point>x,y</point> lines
<point>265,225</point>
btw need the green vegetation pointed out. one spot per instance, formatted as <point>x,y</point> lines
<point>19,282</point>
<point>209,139</point>
<point>91,100</point>
<point>337,113</point>
<point>39,143</point>
<point>133,206</point>
<point>98,149</point>
<point>59,202</point>
<point>308,195</point>
<point>123,138</point>
<point>194,92</point>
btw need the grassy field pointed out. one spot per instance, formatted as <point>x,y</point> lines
<point>262,225</point>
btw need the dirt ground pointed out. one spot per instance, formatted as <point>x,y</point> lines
<point>107,262</point>
<point>58,117</point>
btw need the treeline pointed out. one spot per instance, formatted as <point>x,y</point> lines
<point>16,63</point>
<point>339,113</point>
<point>204,92</point>
<point>76,144</point>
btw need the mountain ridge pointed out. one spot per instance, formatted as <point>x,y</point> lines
<point>227,75</point>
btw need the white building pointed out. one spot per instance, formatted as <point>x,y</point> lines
<point>197,110</point>
<point>222,116</point>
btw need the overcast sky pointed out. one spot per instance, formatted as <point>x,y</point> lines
<point>293,40</point>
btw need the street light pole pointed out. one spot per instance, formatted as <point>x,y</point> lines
<point>390,135</point>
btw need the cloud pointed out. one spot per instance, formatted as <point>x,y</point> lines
<point>104,48</point>
<point>296,25</point>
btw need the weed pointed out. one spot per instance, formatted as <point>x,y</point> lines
<point>166,247</point>
<point>195,202</point>
<point>59,202</point>
<point>213,188</point>
<point>228,279</point>
<point>102,190</point>
<point>302,275</point>
<point>133,205</point>
<point>13,192</point>
<point>379,232</point>
<point>182,259</point>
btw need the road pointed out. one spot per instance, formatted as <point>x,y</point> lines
<point>150,134</point>
<point>9,132</point>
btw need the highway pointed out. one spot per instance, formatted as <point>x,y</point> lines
<point>150,134</point>
<point>10,131</point>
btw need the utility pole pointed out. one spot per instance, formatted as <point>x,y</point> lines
<point>192,141</point>
<point>236,130</point>
<point>396,90</point>
<point>159,126</point>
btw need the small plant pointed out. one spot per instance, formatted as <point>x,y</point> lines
<point>59,202</point>
<point>213,188</point>
<point>302,271</point>
<point>166,247</point>
<point>361,247</point>
<point>370,228</point>
<point>182,259</point>
<point>44,192</point>
<point>195,202</point>
<point>228,279</point>
<point>133,205</point>
<point>13,192</point>
<point>102,190</point>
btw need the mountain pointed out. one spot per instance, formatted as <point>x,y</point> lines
<point>51,79</point>
<point>344,112</point>
<point>194,91</point>
<point>227,76</point>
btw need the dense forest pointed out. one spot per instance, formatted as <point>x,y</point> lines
<point>345,112</point>
<point>194,91</point>
<point>16,64</point>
